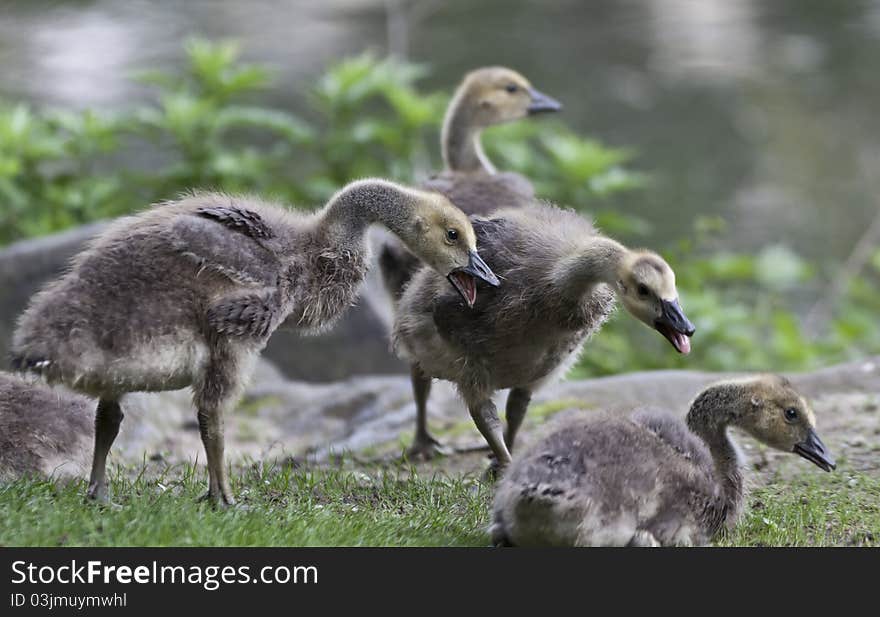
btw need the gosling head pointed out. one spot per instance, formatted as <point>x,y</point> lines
<point>780,417</point>
<point>646,287</point>
<point>443,238</point>
<point>494,95</point>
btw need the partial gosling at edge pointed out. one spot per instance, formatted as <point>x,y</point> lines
<point>43,430</point>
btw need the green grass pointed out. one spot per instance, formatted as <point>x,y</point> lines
<point>372,506</point>
<point>812,509</point>
<point>285,507</point>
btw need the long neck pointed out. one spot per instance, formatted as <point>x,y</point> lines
<point>361,204</point>
<point>460,140</point>
<point>598,262</point>
<point>709,417</point>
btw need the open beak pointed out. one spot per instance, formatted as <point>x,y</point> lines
<point>673,324</point>
<point>815,451</point>
<point>465,279</point>
<point>541,103</point>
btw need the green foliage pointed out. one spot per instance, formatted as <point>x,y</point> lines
<point>210,139</point>
<point>374,123</point>
<point>50,170</point>
<point>205,128</point>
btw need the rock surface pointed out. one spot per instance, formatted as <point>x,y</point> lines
<point>374,415</point>
<point>357,345</point>
<point>26,266</point>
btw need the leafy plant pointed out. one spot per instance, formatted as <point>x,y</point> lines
<point>50,170</point>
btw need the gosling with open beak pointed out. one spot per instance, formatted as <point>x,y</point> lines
<point>675,326</point>
<point>465,279</point>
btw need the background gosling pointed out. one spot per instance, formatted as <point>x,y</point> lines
<point>188,293</point>
<point>651,479</point>
<point>561,280</point>
<point>486,97</point>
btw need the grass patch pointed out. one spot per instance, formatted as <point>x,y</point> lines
<point>812,509</point>
<point>375,506</point>
<point>283,507</point>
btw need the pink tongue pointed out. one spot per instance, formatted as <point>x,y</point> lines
<point>682,342</point>
<point>470,287</point>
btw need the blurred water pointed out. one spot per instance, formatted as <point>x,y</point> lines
<point>765,113</point>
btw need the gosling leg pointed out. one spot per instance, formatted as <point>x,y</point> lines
<point>211,427</point>
<point>517,403</point>
<point>108,417</point>
<point>486,418</point>
<point>424,445</point>
<point>214,395</point>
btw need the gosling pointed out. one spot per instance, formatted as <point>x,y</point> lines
<point>188,293</point>
<point>650,479</point>
<point>43,430</point>
<point>486,97</point>
<point>561,282</point>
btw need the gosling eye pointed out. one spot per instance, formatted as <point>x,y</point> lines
<point>511,88</point>
<point>791,414</point>
<point>643,290</point>
<point>452,235</point>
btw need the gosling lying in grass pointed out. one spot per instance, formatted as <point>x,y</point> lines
<point>650,479</point>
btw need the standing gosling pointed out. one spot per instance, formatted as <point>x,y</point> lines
<point>651,479</point>
<point>561,279</point>
<point>188,293</point>
<point>486,97</point>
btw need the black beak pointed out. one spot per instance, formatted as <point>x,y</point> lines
<point>675,326</point>
<point>815,451</point>
<point>541,103</point>
<point>464,279</point>
<point>478,268</point>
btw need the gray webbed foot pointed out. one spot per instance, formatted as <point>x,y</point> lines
<point>494,471</point>
<point>97,492</point>
<point>425,448</point>
<point>217,501</point>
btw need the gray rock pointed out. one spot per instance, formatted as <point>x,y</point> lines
<point>358,344</point>
<point>279,417</point>
<point>24,268</point>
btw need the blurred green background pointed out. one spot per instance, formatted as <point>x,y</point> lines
<point>739,139</point>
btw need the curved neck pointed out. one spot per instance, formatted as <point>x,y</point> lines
<point>363,203</point>
<point>599,262</point>
<point>710,414</point>
<point>460,140</point>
